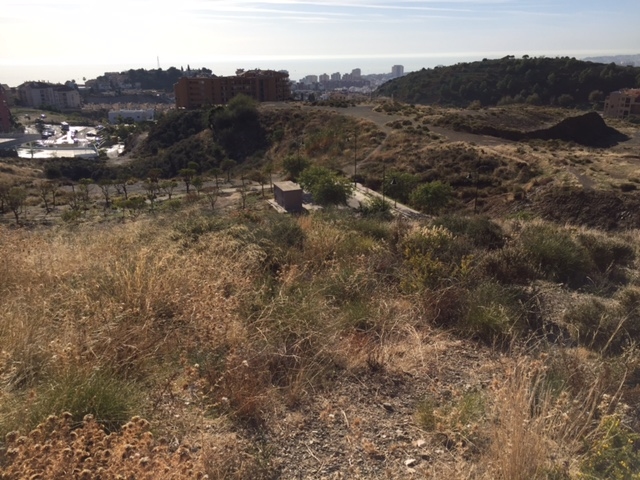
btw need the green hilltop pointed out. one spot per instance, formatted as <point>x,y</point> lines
<point>534,80</point>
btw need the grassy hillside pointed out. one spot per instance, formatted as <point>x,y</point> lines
<point>217,328</point>
<point>538,81</point>
<point>178,335</point>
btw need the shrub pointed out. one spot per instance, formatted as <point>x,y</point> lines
<point>493,313</point>
<point>325,187</point>
<point>509,265</point>
<point>558,256</point>
<point>480,230</point>
<point>595,324</point>
<point>376,207</point>
<point>431,197</point>
<point>607,251</point>
<point>615,453</point>
<point>433,258</point>
<point>98,393</point>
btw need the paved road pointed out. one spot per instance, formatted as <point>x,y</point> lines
<point>363,194</point>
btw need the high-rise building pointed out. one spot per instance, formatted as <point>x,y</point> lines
<point>356,73</point>
<point>310,79</point>
<point>261,85</point>
<point>397,71</point>
<point>323,78</point>
<point>336,77</point>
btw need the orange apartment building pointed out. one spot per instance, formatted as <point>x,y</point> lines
<point>261,85</point>
<point>622,103</point>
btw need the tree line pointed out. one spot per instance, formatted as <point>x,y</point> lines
<point>560,81</point>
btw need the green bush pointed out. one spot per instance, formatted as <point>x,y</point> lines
<point>557,255</point>
<point>607,252</point>
<point>480,230</point>
<point>433,258</point>
<point>371,227</point>
<point>615,453</point>
<point>376,207</point>
<point>595,324</point>
<point>431,197</point>
<point>325,186</point>
<point>509,265</point>
<point>494,312</point>
<point>109,399</point>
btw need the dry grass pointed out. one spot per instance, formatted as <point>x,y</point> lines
<point>224,325</point>
<point>543,413</point>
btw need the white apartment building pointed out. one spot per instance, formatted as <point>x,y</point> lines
<point>136,115</point>
<point>622,103</point>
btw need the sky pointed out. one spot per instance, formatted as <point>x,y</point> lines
<point>69,39</point>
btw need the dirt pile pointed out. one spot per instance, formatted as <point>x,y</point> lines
<point>588,129</point>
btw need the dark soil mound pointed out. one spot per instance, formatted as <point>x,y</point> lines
<point>588,129</point>
<point>607,210</point>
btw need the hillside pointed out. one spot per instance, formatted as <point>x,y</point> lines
<point>153,328</point>
<point>538,81</point>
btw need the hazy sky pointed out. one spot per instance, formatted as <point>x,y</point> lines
<point>63,39</point>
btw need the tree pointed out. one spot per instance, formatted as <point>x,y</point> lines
<point>596,96</point>
<point>4,191</point>
<point>168,186</point>
<point>325,186</point>
<point>122,184</point>
<point>258,177</point>
<point>46,188</point>
<point>431,197</point>
<point>15,200</point>
<point>216,172</point>
<point>84,191</point>
<point>237,128</point>
<point>268,172</point>
<point>187,175</point>
<point>151,188</point>
<point>243,191</point>
<point>197,183</point>
<point>212,194</point>
<point>295,165</point>
<point>399,185</point>
<point>565,100</point>
<point>105,187</point>
<point>227,165</point>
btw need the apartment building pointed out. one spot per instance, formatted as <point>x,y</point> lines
<point>261,85</point>
<point>622,103</point>
<point>43,94</point>
<point>5,113</point>
<point>397,71</point>
<point>115,116</point>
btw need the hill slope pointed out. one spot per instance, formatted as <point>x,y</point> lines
<point>563,81</point>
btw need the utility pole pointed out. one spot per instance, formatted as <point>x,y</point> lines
<point>298,144</point>
<point>355,158</point>
<point>383,171</point>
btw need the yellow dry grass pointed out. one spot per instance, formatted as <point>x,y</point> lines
<point>215,342</point>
